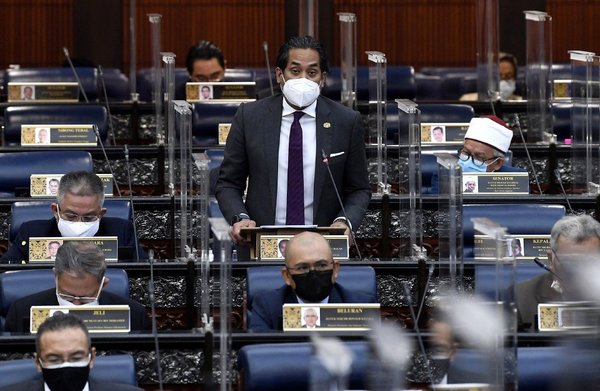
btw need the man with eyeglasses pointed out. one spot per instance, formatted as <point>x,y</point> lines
<point>573,240</point>
<point>78,212</point>
<point>64,356</point>
<point>79,273</point>
<point>309,275</point>
<point>484,149</point>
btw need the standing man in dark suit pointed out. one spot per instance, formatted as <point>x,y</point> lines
<point>64,355</point>
<point>79,269</point>
<point>309,275</point>
<point>78,212</point>
<point>277,145</point>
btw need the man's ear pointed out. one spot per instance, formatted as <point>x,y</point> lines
<point>93,357</point>
<point>336,271</point>
<point>106,281</point>
<point>323,82</point>
<point>102,212</point>
<point>38,367</point>
<point>285,274</point>
<point>278,75</point>
<point>54,208</point>
<point>496,165</point>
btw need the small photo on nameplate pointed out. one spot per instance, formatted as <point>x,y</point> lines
<point>566,316</point>
<point>43,249</point>
<point>495,183</point>
<point>223,133</point>
<point>43,92</point>
<point>521,247</point>
<point>443,133</point>
<point>46,185</point>
<point>58,135</point>
<point>330,317</point>
<point>98,318</point>
<point>272,247</point>
<point>220,92</point>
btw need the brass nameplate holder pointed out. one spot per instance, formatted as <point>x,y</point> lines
<point>43,92</point>
<point>330,317</point>
<point>562,89</point>
<point>272,247</point>
<point>98,319</point>
<point>522,247</point>
<point>46,185</point>
<point>223,133</point>
<point>58,136</point>
<point>42,249</point>
<point>443,133</point>
<point>220,92</point>
<point>495,183</point>
<point>566,316</point>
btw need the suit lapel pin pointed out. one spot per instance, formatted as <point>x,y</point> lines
<point>327,125</point>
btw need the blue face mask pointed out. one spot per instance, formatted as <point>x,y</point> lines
<point>469,166</point>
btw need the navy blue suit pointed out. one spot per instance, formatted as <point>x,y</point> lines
<point>435,186</point>
<point>95,385</point>
<point>109,226</point>
<point>17,319</point>
<point>267,311</point>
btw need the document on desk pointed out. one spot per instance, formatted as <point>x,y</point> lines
<point>98,318</point>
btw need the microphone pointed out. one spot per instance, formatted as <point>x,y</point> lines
<point>562,189</point>
<point>111,128</point>
<point>418,318</point>
<point>545,267</point>
<point>418,331</point>
<point>535,176</point>
<point>106,159</point>
<point>66,51</point>
<point>152,300</point>
<point>266,50</point>
<point>135,237</point>
<point>337,193</point>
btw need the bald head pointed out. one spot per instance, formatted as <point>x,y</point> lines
<point>306,246</point>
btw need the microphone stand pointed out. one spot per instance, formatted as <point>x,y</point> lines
<point>66,51</point>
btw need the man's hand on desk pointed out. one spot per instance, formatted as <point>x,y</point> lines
<point>237,238</point>
<point>341,224</point>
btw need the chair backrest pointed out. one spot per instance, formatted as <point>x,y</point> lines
<point>206,118</point>
<point>400,83</point>
<point>428,86</point>
<point>485,278</point>
<point>23,211</point>
<point>17,167</point>
<point>286,366</point>
<point>119,368</point>
<point>266,278</point>
<point>533,219</point>
<point>87,76</point>
<point>49,114</point>
<point>16,284</point>
<point>117,85</point>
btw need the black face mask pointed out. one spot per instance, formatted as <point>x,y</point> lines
<point>66,378</point>
<point>313,286</point>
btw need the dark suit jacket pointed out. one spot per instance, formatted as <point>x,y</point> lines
<point>252,152</point>
<point>95,385</point>
<point>267,311</point>
<point>530,293</point>
<point>17,319</point>
<point>109,226</point>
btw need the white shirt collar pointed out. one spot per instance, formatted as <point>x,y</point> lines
<point>85,388</point>
<point>324,301</point>
<point>310,110</point>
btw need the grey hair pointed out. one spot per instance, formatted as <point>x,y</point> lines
<point>79,257</point>
<point>81,183</point>
<point>574,228</point>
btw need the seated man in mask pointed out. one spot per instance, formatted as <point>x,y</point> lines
<point>64,355</point>
<point>309,275</point>
<point>78,212</point>
<point>484,149</point>
<point>573,240</point>
<point>79,270</point>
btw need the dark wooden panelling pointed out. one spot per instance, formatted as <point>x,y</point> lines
<point>415,32</point>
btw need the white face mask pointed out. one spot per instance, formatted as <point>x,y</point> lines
<point>78,228</point>
<point>507,88</point>
<point>300,92</point>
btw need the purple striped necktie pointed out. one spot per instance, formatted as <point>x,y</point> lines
<point>295,183</point>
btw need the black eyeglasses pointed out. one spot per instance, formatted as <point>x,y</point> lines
<point>304,267</point>
<point>464,156</point>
